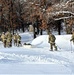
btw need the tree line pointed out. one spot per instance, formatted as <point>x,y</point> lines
<point>19,14</point>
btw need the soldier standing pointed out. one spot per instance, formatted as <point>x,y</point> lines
<point>4,38</point>
<point>52,39</point>
<point>0,37</point>
<point>69,29</point>
<point>72,37</point>
<point>18,40</point>
<point>9,39</point>
<point>15,39</point>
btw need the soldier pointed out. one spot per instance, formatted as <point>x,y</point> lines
<point>9,39</point>
<point>15,39</point>
<point>72,37</point>
<point>0,37</point>
<point>69,29</point>
<point>18,40</point>
<point>4,38</point>
<point>52,39</point>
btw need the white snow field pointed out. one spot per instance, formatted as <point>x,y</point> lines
<point>38,59</point>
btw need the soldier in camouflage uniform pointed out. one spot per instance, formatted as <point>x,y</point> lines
<point>18,40</point>
<point>2,36</point>
<point>9,39</point>
<point>4,39</point>
<point>52,39</point>
<point>69,29</point>
<point>72,37</point>
<point>15,39</point>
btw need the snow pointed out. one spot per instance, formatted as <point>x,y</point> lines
<point>61,39</point>
<point>38,59</point>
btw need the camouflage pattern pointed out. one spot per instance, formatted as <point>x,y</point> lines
<point>9,39</point>
<point>18,40</point>
<point>69,29</point>
<point>4,39</point>
<point>15,39</point>
<point>72,37</point>
<point>2,36</point>
<point>52,41</point>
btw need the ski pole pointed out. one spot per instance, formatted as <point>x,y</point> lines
<point>58,47</point>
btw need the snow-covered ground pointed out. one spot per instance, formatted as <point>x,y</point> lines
<point>38,59</point>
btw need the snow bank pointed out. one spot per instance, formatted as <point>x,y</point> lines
<point>62,42</point>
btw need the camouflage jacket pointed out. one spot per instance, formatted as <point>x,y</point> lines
<point>51,38</point>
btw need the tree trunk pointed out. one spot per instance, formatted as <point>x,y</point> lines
<point>40,31</point>
<point>59,27</point>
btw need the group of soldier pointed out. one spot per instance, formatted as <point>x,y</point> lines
<point>7,39</point>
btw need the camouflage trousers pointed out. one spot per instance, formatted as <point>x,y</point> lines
<point>15,42</point>
<point>9,43</point>
<point>53,45</point>
<point>19,43</point>
<point>4,42</point>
